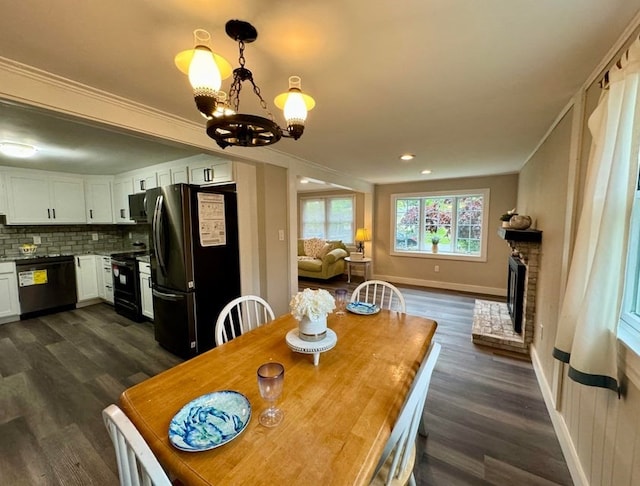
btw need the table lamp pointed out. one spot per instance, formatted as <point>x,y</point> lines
<point>362,235</point>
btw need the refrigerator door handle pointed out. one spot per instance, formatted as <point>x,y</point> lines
<point>157,231</point>
<point>166,296</point>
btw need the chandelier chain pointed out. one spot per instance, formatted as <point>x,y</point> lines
<point>243,74</point>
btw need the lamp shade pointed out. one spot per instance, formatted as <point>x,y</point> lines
<point>362,234</point>
<point>294,102</point>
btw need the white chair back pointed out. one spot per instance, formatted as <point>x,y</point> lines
<point>398,458</point>
<point>383,294</point>
<point>241,315</point>
<point>137,466</point>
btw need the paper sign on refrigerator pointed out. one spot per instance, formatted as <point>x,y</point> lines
<point>213,228</point>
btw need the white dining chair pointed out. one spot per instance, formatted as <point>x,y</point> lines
<point>381,293</point>
<point>395,466</point>
<point>241,315</point>
<point>137,465</point>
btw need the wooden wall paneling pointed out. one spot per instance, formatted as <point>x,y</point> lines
<point>586,419</point>
<point>601,413</point>
<point>611,426</point>
<point>626,433</point>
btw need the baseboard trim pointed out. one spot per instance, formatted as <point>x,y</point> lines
<point>559,425</point>
<point>475,289</point>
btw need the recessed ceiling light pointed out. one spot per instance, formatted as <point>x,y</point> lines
<point>426,171</point>
<point>407,157</point>
<point>15,149</point>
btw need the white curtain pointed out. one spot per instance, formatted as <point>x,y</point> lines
<point>586,337</point>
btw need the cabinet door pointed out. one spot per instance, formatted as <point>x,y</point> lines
<point>223,172</point>
<point>99,276</point>
<point>86,277</point>
<point>9,304</point>
<point>121,190</point>
<point>99,202</point>
<point>28,199</point>
<point>144,182</point>
<point>3,195</point>
<point>146,296</point>
<point>164,177</point>
<point>67,200</point>
<point>180,175</point>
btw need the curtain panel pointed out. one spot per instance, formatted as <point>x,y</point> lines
<point>586,337</point>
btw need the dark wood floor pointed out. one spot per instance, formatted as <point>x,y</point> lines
<point>486,418</point>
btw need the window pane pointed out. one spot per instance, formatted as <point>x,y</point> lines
<point>313,218</point>
<point>469,229</point>
<point>340,219</point>
<point>407,224</point>
<point>438,215</point>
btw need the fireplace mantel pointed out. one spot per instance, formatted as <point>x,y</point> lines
<point>528,235</point>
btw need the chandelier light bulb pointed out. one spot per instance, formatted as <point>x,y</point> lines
<point>204,74</point>
<point>295,105</point>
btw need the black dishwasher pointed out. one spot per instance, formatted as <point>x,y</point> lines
<point>46,284</point>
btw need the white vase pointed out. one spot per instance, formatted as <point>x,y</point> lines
<point>313,330</point>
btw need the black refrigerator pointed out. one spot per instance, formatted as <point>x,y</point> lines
<point>195,262</point>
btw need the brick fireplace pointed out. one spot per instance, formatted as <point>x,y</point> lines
<point>509,325</point>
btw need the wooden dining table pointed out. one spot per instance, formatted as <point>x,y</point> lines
<point>338,415</point>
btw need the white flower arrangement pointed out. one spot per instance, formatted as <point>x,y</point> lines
<point>312,303</point>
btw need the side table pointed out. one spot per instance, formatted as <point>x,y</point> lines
<point>366,262</point>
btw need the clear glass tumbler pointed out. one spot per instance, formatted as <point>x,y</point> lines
<point>341,301</point>
<point>270,383</point>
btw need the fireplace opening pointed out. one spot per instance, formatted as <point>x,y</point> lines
<point>515,291</point>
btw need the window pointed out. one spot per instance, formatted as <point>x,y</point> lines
<point>331,218</point>
<point>629,328</point>
<point>457,220</point>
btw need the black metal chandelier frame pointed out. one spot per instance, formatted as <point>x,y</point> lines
<point>242,129</point>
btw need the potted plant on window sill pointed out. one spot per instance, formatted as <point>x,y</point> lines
<point>434,243</point>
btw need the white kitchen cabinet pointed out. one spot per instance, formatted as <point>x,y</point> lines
<point>146,296</point>
<point>105,278</point>
<point>144,181</point>
<point>44,198</point>
<point>170,176</point>
<point>211,172</point>
<point>3,195</point>
<point>9,303</point>
<point>86,277</point>
<point>122,187</point>
<point>99,205</point>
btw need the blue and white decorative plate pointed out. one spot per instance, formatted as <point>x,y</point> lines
<point>363,308</point>
<point>210,421</point>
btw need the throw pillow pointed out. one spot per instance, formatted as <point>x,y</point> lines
<point>326,249</point>
<point>313,247</point>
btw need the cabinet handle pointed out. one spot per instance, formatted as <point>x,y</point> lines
<point>142,185</point>
<point>149,283</point>
<point>78,260</point>
<point>122,213</point>
<point>48,213</point>
<point>90,213</point>
<point>54,213</point>
<point>208,174</point>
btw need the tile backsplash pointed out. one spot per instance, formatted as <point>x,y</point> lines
<point>75,239</point>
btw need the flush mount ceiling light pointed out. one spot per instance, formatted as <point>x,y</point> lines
<point>426,172</point>
<point>15,149</point>
<point>407,157</point>
<point>226,125</point>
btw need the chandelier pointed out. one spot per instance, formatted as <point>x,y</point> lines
<point>225,124</point>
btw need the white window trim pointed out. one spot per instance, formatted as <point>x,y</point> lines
<point>482,257</point>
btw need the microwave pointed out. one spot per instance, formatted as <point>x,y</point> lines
<point>137,210</point>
